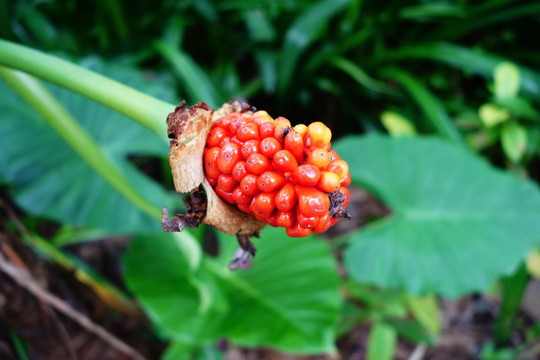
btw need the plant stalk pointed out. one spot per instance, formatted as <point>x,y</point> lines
<point>144,109</point>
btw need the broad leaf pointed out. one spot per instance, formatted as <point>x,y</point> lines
<point>288,299</point>
<point>48,177</point>
<point>456,223</point>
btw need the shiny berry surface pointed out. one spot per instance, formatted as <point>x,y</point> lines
<point>285,175</point>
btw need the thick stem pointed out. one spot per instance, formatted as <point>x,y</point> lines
<point>146,110</point>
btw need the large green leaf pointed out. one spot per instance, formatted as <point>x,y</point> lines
<point>288,299</point>
<point>49,179</point>
<point>456,223</point>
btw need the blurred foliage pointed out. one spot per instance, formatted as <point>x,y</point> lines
<point>465,72</point>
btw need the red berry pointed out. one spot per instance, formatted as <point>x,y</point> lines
<point>307,222</point>
<point>272,219</point>
<point>263,205</point>
<point>285,218</point>
<point>284,161</point>
<point>324,224</point>
<point>250,147</point>
<point>297,231</point>
<point>225,195</point>
<point>312,202</point>
<point>225,140</point>
<point>248,185</point>
<point>269,147</point>
<point>240,197</point>
<point>248,132</point>
<point>258,163</point>
<point>210,163</point>
<point>295,144</point>
<point>227,182</point>
<point>286,197</point>
<point>244,208</point>
<point>266,129</point>
<point>270,181</point>
<point>215,136</point>
<point>239,170</point>
<point>237,120</point>
<point>229,155</point>
<point>306,175</point>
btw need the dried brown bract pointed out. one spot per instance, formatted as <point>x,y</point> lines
<point>188,128</point>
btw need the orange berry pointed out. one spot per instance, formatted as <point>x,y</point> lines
<point>319,157</point>
<point>300,129</point>
<point>328,182</point>
<point>262,116</point>
<point>340,167</point>
<point>318,135</point>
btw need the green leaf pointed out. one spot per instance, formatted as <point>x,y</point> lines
<point>397,125</point>
<point>507,79</point>
<point>306,28</point>
<point>514,141</point>
<point>288,299</point>
<point>426,310</point>
<point>177,351</point>
<point>49,179</point>
<point>456,224</point>
<point>382,342</point>
<point>492,115</point>
<point>164,271</point>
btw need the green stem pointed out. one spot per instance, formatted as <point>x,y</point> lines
<point>39,98</point>
<point>146,110</point>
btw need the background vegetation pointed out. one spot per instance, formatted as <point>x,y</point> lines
<point>435,105</point>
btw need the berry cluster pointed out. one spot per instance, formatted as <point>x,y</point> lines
<point>284,176</point>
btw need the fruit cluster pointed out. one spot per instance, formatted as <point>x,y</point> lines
<point>286,176</point>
